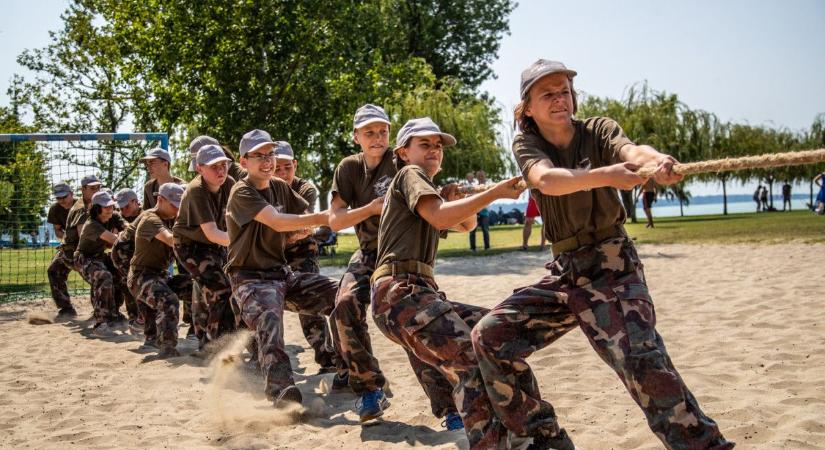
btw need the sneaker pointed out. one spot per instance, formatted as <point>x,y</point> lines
<point>66,313</point>
<point>371,405</point>
<point>340,383</point>
<point>453,422</point>
<point>168,352</point>
<point>149,344</point>
<point>558,442</point>
<point>190,332</point>
<point>103,330</point>
<point>287,396</point>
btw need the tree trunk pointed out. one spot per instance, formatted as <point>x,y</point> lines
<point>724,195</point>
<point>681,207</point>
<point>770,192</point>
<point>812,193</point>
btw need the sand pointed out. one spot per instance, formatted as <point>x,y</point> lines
<point>744,324</point>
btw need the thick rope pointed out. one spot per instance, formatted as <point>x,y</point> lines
<point>715,165</point>
<point>745,162</point>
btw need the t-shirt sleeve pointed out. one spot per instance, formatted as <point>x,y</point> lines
<point>199,209</point>
<point>611,139</point>
<point>245,203</point>
<point>527,150</point>
<point>149,227</point>
<point>310,194</point>
<point>92,230</point>
<point>415,184</point>
<point>341,182</point>
<point>293,202</point>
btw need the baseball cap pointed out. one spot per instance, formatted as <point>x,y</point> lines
<point>61,190</point>
<point>423,126</point>
<point>157,153</point>
<point>210,154</point>
<point>124,196</point>
<point>172,192</point>
<point>253,140</point>
<point>283,150</point>
<point>89,180</point>
<point>539,69</point>
<point>103,198</point>
<point>196,145</point>
<point>368,114</point>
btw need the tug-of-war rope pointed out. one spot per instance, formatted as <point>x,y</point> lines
<point>714,165</point>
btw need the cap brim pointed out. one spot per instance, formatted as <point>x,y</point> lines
<point>286,157</point>
<point>110,203</point>
<point>121,206</point>
<point>257,147</point>
<point>568,72</point>
<point>215,161</point>
<point>93,183</point>
<point>62,194</point>
<point>369,121</point>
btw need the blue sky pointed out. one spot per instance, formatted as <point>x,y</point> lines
<point>759,62</point>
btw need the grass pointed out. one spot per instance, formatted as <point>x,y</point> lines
<point>23,272</point>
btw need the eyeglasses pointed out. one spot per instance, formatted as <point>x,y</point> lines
<point>263,157</point>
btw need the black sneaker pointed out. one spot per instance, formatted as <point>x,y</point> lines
<point>66,313</point>
<point>149,343</point>
<point>340,383</point>
<point>558,442</point>
<point>288,396</point>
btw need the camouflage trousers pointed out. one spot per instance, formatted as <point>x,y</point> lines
<point>157,294</point>
<point>121,255</point>
<point>349,323</point>
<point>410,311</point>
<point>212,314</point>
<point>261,298</point>
<point>107,286</point>
<point>601,289</point>
<point>315,328</point>
<point>58,272</point>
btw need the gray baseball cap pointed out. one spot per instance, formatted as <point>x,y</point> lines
<point>157,153</point>
<point>172,192</point>
<point>61,190</point>
<point>540,69</point>
<point>423,126</point>
<point>196,145</point>
<point>210,154</point>
<point>283,150</point>
<point>89,180</point>
<point>103,198</point>
<point>368,114</point>
<point>253,140</point>
<point>124,196</point>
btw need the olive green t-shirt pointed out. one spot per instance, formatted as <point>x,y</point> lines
<point>253,245</point>
<point>58,215</point>
<point>198,206</point>
<point>128,234</point>
<point>596,143</point>
<point>131,219</point>
<point>90,243</point>
<point>150,189</point>
<point>150,252</point>
<point>309,193</point>
<point>404,235</point>
<point>77,215</point>
<point>357,186</point>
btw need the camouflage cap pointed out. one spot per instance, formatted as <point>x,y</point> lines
<point>61,190</point>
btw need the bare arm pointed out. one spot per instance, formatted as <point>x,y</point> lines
<point>166,237</point>
<point>341,216</point>
<point>58,231</point>
<point>551,180</point>
<point>461,213</point>
<point>290,222</point>
<point>645,155</point>
<point>215,235</point>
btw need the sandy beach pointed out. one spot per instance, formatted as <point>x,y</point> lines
<point>744,324</point>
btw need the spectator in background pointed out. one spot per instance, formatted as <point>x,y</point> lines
<point>756,197</point>
<point>483,216</point>
<point>786,195</point>
<point>763,197</point>
<point>529,217</point>
<point>469,179</point>
<point>819,204</point>
<point>648,199</point>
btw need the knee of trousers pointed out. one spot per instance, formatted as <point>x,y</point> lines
<point>483,335</point>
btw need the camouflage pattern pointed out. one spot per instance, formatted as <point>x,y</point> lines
<point>58,272</point>
<point>106,285</point>
<point>212,314</point>
<point>261,298</point>
<point>303,257</point>
<point>602,290</point>
<point>157,293</point>
<point>121,255</point>
<point>410,311</point>
<point>349,322</point>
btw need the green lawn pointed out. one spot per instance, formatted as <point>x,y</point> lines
<point>23,272</point>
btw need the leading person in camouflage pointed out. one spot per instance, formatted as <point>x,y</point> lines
<point>302,255</point>
<point>201,241</point>
<point>149,278</point>
<point>407,304</point>
<point>261,212</point>
<point>596,281</point>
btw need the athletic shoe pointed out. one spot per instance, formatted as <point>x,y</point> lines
<point>103,330</point>
<point>453,422</point>
<point>340,382</point>
<point>287,396</point>
<point>558,442</point>
<point>168,352</point>
<point>371,405</point>
<point>66,313</point>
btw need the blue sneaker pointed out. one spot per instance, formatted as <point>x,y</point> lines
<point>453,422</point>
<point>371,405</point>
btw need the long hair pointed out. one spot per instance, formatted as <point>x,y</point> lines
<point>94,213</point>
<point>525,123</point>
